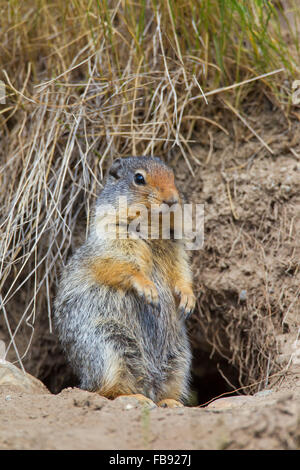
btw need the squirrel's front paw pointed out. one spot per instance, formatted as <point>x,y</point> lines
<point>147,291</point>
<point>187,300</point>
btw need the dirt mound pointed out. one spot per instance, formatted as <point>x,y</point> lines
<point>75,419</point>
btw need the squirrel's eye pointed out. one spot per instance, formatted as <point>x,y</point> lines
<point>139,179</point>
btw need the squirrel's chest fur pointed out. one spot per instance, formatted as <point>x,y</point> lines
<point>90,303</point>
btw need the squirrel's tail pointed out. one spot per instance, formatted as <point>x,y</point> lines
<point>111,373</point>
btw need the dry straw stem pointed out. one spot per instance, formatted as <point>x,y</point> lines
<point>87,81</point>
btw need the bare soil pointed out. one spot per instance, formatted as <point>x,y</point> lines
<point>76,419</point>
<point>244,333</point>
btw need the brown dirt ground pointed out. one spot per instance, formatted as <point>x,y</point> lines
<point>76,419</point>
<point>245,330</point>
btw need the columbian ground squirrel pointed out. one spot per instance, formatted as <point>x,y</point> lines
<point>122,303</point>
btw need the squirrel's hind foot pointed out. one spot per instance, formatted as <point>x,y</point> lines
<point>170,403</point>
<point>140,398</point>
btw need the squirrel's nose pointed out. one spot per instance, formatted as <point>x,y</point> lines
<point>170,201</point>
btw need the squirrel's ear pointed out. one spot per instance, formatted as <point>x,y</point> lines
<point>116,169</point>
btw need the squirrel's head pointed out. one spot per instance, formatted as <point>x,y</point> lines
<point>144,180</point>
<point>138,195</point>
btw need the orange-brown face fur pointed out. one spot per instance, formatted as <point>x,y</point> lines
<point>159,189</point>
<point>162,185</point>
<point>143,180</point>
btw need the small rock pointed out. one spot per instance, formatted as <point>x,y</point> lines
<point>14,379</point>
<point>229,402</point>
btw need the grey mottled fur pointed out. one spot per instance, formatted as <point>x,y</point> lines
<point>95,322</point>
